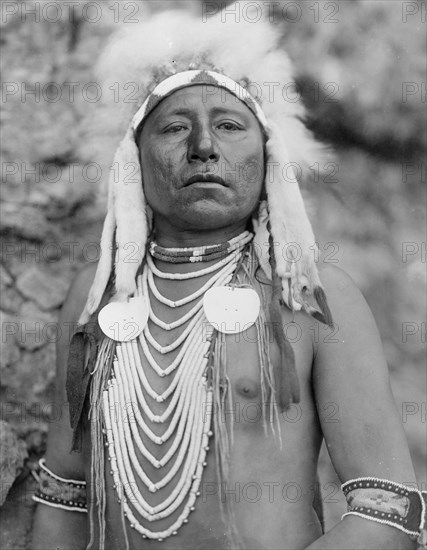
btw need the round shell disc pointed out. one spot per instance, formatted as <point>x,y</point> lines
<point>231,310</point>
<point>124,321</point>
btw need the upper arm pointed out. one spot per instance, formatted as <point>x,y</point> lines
<point>54,527</point>
<point>58,456</point>
<point>365,437</point>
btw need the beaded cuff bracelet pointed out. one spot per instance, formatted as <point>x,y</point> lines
<point>386,502</point>
<point>55,491</point>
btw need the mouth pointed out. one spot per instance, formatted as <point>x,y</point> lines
<point>205,178</point>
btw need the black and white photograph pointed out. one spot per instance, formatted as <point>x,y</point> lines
<point>213,275</point>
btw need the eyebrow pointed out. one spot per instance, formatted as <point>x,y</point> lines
<point>180,111</point>
<point>214,111</point>
<point>226,111</point>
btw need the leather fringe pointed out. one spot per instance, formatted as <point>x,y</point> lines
<point>100,376</point>
<point>223,398</point>
<point>286,378</point>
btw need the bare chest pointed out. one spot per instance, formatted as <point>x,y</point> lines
<point>244,412</point>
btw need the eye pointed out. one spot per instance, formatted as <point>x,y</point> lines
<point>229,126</point>
<point>175,129</point>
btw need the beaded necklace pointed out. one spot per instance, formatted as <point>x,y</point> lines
<point>190,409</point>
<point>198,253</point>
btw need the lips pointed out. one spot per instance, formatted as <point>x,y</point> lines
<point>205,178</point>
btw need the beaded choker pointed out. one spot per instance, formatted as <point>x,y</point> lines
<point>199,253</point>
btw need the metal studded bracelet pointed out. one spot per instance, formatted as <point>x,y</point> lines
<point>386,502</point>
<point>55,491</point>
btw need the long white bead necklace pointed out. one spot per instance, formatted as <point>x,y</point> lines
<point>188,414</point>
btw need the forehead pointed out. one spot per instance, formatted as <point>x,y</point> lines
<point>201,97</point>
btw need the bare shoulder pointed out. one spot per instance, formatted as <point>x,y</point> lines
<point>69,316</point>
<point>70,313</point>
<point>60,435</point>
<point>77,294</point>
<point>346,301</point>
<point>337,281</point>
<point>356,345</point>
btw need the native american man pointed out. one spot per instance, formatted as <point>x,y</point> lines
<point>171,422</point>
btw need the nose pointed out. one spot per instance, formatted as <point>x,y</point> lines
<point>202,145</point>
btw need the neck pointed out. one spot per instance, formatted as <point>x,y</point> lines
<point>192,239</point>
<point>172,237</point>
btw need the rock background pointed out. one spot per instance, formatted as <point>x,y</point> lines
<point>354,59</point>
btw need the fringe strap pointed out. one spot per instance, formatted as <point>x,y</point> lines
<point>269,389</point>
<point>285,375</point>
<point>244,276</point>
<point>100,375</point>
<point>223,419</point>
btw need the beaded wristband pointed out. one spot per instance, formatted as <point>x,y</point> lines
<point>386,502</point>
<point>55,491</point>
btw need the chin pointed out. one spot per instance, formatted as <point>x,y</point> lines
<point>211,217</point>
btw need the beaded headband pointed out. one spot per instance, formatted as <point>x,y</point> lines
<point>194,78</point>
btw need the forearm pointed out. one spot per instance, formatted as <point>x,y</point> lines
<point>58,529</point>
<point>354,533</point>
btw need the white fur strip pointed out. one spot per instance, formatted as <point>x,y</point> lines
<point>127,213</point>
<point>103,270</point>
<point>105,264</point>
<point>130,213</point>
<point>290,227</point>
<point>261,244</point>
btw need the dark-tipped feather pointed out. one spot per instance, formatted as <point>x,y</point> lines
<point>325,316</point>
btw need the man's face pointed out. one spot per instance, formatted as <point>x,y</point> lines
<point>202,159</point>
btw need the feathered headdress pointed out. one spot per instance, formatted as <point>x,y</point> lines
<point>172,50</point>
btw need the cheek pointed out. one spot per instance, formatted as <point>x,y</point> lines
<point>251,172</point>
<point>248,157</point>
<point>158,171</point>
